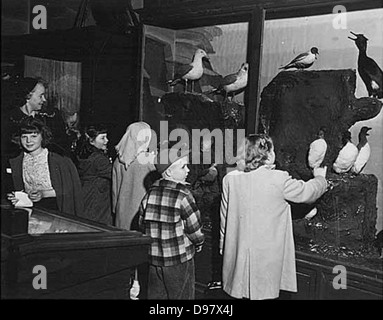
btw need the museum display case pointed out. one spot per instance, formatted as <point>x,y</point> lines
<point>48,255</point>
<point>290,106</point>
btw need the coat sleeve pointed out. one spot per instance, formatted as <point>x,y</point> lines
<point>191,217</point>
<point>115,185</point>
<point>300,191</point>
<point>223,212</point>
<point>76,188</point>
<point>66,183</point>
<point>104,168</point>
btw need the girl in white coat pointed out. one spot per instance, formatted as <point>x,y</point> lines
<point>256,234</point>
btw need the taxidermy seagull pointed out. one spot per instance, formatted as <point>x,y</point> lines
<point>368,69</point>
<point>192,71</point>
<point>364,151</point>
<point>317,150</point>
<point>304,60</point>
<point>233,82</point>
<point>347,155</point>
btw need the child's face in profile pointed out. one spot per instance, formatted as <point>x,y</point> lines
<point>100,142</point>
<point>179,170</point>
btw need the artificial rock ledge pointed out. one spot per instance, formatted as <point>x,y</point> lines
<point>294,105</point>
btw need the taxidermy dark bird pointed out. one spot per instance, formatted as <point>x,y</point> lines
<point>368,69</point>
<point>317,149</point>
<point>192,71</point>
<point>234,82</point>
<point>304,60</point>
<point>347,155</point>
<point>364,151</point>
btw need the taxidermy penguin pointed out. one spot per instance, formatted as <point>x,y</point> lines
<point>364,151</point>
<point>192,71</point>
<point>347,155</point>
<point>317,149</point>
<point>368,69</point>
<point>304,60</point>
<point>233,82</point>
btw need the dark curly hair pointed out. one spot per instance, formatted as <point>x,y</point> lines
<point>258,147</point>
<point>85,149</point>
<point>34,125</point>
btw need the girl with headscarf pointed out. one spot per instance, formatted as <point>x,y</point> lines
<point>133,172</point>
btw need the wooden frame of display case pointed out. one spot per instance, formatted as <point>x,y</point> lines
<point>89,261</point>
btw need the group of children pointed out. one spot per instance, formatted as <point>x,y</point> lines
<point>256,236</point>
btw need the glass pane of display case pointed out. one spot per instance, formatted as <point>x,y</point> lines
<point>344,221</point>
<point>39,221</point>
<point>168,51</point>
<point>42,222</point>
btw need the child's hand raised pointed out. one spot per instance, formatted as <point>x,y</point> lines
<point>320,171</point>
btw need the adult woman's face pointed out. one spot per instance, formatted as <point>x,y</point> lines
<point>100,142</point>
<point>37,99</point>
<point>31,142</point>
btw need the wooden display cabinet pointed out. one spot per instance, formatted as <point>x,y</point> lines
<point>82,259</point>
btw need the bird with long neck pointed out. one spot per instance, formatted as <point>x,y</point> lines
<point>364,151</point>
<point>368,69</point>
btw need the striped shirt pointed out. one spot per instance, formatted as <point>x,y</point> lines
<point>170,216</point>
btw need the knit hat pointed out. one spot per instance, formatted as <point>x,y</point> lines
<point>167,156</point>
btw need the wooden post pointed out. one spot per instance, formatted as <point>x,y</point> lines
<point>254,57</point>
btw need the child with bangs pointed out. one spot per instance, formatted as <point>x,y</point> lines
<point>50,180</point>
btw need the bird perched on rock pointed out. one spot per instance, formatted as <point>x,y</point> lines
<point>368,69</point>
<point>364,151</point>
<point>192,71</point>
<point>304,60</point>
<point>317,149</point>
<point>347,155</point>
<point>234,82</point>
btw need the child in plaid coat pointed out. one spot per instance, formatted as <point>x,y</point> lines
<point>169,214</point>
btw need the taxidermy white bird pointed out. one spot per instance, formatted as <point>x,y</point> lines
<point>311,214</point>
<point>364,151</point>
<point>317,150</point>
<point>347,155</point>
<point>192,71</point>
<point>304,60</point>
<point>233,82</point>
<point>368,69</point>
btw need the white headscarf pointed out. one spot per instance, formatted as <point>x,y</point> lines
<point>135,141</point>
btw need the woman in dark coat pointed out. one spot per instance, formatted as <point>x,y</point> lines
<point>95,170</point>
